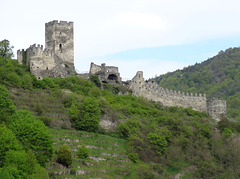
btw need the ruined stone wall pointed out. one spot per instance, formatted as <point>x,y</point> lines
<point>106,73</point>
<point>154,92</point>
<point>57,59</point>
<point>44,63</point>
<point>216,108</point>
<point>94,69</point>
<point>59,38</point>
<point>20,56</point>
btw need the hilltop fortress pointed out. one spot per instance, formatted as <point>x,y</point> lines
<point>57,60</point>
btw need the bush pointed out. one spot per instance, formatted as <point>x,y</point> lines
<point>95,79</point>
<point>133,156</point>
<point>226,133</point>
<point>83,152</point>
<point>144,172</point>
<point>33,134</point>
<point>85,115</point>
<point>8,141</point>
<point>6,106</point>
<point>64,156</point>
<point>21,164</point>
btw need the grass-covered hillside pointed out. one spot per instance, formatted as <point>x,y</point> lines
<point>50,129</point>
<point>217,77</point>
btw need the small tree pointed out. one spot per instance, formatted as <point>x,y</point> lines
<point>5,49</point>
<point>83,152</point>
<point>64,156</point>
<point>32,134</point>
<point>85,115</point>
<point>8,141</point>
<point>6,105</point>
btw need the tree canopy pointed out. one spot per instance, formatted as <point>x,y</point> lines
<point>5,49</point>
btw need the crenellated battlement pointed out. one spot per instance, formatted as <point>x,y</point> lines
<point>60,23</point>
<point>154,87</point>
<point>152,91</point>
<point>57,59</point>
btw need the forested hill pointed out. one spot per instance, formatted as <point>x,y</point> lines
<point>217,77</point>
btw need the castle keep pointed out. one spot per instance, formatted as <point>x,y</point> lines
<point>57,59</point>
<point>152,91</point>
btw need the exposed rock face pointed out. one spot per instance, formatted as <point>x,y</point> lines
<point>152,91</point>
<point>57,59</point>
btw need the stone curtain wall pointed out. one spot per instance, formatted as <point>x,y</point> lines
<point>154,92</point>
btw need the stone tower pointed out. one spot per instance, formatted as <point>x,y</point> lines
<point>57,59</point>
<point>59,38</point>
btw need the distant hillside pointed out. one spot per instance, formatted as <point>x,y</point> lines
<point>217,77</point>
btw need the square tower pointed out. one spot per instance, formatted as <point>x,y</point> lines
<point>59,38</point>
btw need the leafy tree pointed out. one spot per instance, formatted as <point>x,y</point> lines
<point>21,164</point>
<point>8,141</point>
<point>226,133</point>
<point>95,79</point>
<point>6,106</point>
<point>160,142</point>
<point>27,81</point>
<point>64,156</point>
<point>85,115</point>
<point>5,49</point>
<point>33,134</point>
<point>83,152</point>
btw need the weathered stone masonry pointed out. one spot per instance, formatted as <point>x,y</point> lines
<point>57,59</point>
<point>107,74</point>
<point>152,91</point>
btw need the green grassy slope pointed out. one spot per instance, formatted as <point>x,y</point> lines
<point>107,155</point>
<point>217,77</point>
<point>150,141</point>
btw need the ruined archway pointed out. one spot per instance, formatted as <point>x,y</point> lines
<point>112,77</point>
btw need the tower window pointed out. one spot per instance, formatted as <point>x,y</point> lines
<point>60,48</point>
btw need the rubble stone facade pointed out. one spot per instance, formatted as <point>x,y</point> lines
<point>152,91</point>
<point>57,59</point>
<point>107,74</point>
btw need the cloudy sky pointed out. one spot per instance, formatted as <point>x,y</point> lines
<point>154,36</point>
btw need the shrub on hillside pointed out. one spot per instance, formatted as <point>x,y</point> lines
<point>85,116</point>
<point>32,134</point>
<point>21,164</point>
<point>64,156</point>
<point>83,152</point>
<point>8,141</point>
<point>6,105</point>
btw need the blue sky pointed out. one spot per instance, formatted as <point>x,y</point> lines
<point>188,53</point>
<point>153,36</point>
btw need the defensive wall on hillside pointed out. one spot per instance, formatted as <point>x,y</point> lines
<point>152,91</point>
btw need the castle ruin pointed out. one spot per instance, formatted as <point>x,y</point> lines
<point>152,91</point>
<point>107,74</point>
<point>57,59</point>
